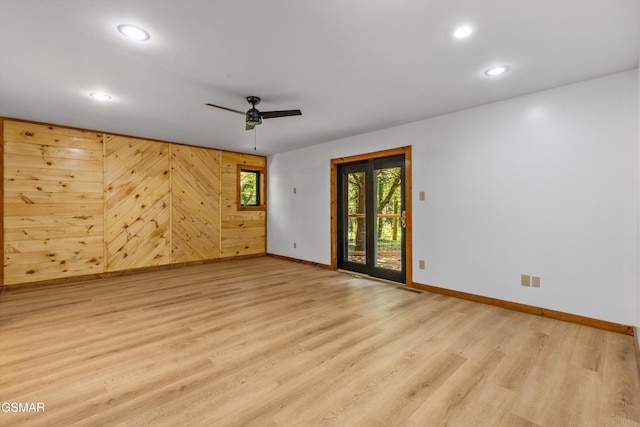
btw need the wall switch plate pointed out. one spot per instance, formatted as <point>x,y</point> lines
<point>535,281</point>
<point>294,245</point>
<point>422,196</point>
<point>295,190</point>
<point>421,264</point>
<point>525,280</point>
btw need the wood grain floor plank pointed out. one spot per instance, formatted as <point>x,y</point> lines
<point>267,342</point>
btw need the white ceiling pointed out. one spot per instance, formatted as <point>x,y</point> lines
<point>351,66</point>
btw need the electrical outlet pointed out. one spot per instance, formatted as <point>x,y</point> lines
<point>422,196</point>
<point>421,264</point>
<point>294,245</point>
<point>525,280</point>
<point>295,190</point>
<point>535,281</point>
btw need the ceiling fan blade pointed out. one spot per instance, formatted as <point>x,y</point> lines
<point>249,126</point>
<point>225,108</point>
<point>284,113</point>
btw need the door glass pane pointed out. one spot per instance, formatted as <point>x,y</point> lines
<point>357,221</point>
<point>389,224</point>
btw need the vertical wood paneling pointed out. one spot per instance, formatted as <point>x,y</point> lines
<point>53,202</point>
<point>2,201</point>
<point>195,203</point>
<point>137,199</point>
<point>243,232</point>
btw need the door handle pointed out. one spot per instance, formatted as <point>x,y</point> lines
<point>403,219</point>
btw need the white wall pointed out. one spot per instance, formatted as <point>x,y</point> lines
<point>544,184</point>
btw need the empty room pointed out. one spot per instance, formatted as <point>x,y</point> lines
<point>305,213</point>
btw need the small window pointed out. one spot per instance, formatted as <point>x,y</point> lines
<point>251,188</point>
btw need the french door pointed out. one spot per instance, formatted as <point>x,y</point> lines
<point>372,217</point>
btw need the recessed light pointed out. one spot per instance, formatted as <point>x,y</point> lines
<point>497,70</point>
<point>462,32</point>
<point>99,96</point>
<point>133,32</point>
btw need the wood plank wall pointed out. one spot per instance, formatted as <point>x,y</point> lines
<point>2,201</point>
<point>78,202</point>
<point>195,203</point>
<point>137,197</point>
<point>53,202</point>
<point>243,232</point>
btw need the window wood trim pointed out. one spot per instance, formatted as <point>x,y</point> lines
<point>262,184</point>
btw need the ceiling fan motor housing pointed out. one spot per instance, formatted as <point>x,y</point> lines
<point>254,117</point>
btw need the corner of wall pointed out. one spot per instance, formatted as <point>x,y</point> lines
<point>638,228</point>
<point>2,202</point>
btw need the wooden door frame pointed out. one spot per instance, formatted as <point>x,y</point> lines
<point>406,151</point>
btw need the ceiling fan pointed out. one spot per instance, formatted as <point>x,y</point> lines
<point>254,117</point>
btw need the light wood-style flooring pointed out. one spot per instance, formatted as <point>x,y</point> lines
<point>267,342</point>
